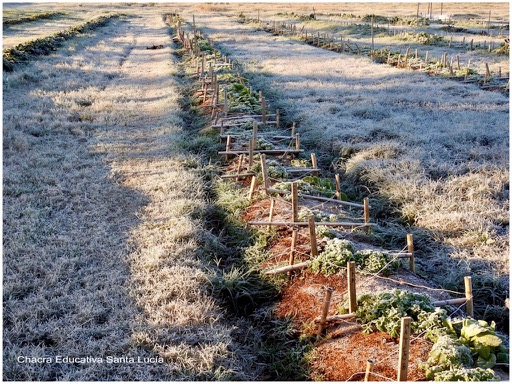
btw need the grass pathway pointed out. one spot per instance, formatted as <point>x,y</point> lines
<point>99,236</point>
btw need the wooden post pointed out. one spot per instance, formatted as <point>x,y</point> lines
<point>366,208</point>
<point>228,144</point>
<point>252,142</point>
<point>312,235</point>
<point>351,285</point>
<point>458,63</point>
<point>271,212</point>
<point>264,171</point>
<point>314,163</point>
<point>403,358</point>
<point>295,202</point>
<point>225,102</point>
<point>487,72</point>
<point>410,249</point>
<point>426,57</point>
<point>254,130</point>
<point>369,370</point>
<point>297,141</point>
<point>469,296</point>
<point>325,311</point>
<point>254,180</point>
<point>338,186</point>
<point>240,160</point>
<point>292,249</point>
<point>278,117</point>
<point>263,111</point>
<point>293,129</point>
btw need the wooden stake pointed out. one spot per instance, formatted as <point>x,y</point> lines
<point>403,358</point>
<point>295,202</point>
<point>410,249</point>
<point>254,130</point>
<point>293,129</point>
<point>325,311</point>
<point>254,180</point>
<point>252,142</point>
<point>338,186</point>
<point>292,249</point>
<point>487,72</point>
<point>225,102</point>
<point>228,144</point>
<point>312,235</point>
<point>366,208</point>
<point>271,212</point>
<point>278,118</point>
<point>240,160</point>
<point>264,171</point>
<point>369,370</point>
<point>297,142</point>
<point>263,111</point>
<point>351,285</point>
<point>289,268</point>
<point>314,164</point>
<point>469,296</point>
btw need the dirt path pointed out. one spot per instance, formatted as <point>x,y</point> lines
<point>99,241</point>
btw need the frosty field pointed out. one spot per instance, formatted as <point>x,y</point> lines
<point>127,257</point>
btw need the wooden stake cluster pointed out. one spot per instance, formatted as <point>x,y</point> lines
<point>210,84</point>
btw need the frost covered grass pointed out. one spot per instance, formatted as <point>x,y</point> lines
<point>103,218</point>
<point>433,154</point>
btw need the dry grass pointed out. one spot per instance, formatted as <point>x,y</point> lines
<point>101,218</point>
<point>433,151</point>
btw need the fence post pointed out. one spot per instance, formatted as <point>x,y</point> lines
<point>228,145</point>
<point>325,310</point>
<point>264,171</point>
<point>295,204</point>
<point>403,358</point>
<point>314,164</point>
<point>369,370</point>
<point>338,186</point>
<point>271,212</point>
<point>253,186</point>
<point>469,295</point>
<point>292,250</point>
<point>312,235</point>
<point>366,207</point>
<point>351,285</point>
<point>410,249</point>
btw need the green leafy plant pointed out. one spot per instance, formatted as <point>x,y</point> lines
<point>334,257</point>
<point>241,99</point>
<point>447,354</point>
<point>466,374</point>
<point>384,310</point>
